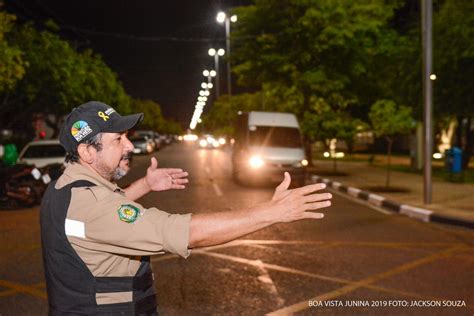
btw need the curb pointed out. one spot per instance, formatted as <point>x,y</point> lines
<point>421,214</point>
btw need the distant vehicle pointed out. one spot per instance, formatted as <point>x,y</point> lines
<point>142,144</point>
<point>42,152</point>
<point>153,136</point>
<point>208,141</point>
<point>166,139</point>
<point>266,145</point>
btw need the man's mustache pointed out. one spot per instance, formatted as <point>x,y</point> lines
<point>127,156</point>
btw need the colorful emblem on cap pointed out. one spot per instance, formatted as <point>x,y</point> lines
<point>80,129</point>
<point>128,213</point>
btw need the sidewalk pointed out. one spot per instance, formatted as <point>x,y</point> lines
<point>449,200</point>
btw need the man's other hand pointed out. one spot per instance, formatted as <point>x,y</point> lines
<point>162,179</point>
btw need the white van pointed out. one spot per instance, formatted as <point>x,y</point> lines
<point>266,145</point>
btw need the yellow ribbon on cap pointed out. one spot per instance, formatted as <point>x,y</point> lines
<point>103,116</point>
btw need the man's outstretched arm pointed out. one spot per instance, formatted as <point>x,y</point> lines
<point>286,206</point>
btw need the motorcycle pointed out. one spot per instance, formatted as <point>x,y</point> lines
<point>24,185</point>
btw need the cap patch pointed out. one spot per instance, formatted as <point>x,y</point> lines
<point>128,213</point>
<point>109,111</point>
<point>103,116</point>
<point>80,129</point>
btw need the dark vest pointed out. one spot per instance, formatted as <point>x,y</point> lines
<point>71,286</point>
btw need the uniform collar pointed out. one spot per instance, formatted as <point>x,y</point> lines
<point>76,170</point>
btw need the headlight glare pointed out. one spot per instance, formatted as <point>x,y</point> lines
<point>256,162</point>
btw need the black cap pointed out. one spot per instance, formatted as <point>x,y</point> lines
<point>90,119</point>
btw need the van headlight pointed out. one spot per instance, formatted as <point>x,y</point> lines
<point>256,162</point>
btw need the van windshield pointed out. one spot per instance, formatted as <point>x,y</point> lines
<point>275,136</point>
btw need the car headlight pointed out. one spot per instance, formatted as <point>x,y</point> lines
<point>256,162</point>
<point>215,144</point>
<point>222,141</point>
<point>304,162</point>
<point>203,143</point>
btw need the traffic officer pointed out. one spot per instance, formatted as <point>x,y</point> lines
<point>97,240</point>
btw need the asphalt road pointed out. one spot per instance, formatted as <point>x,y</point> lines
<point>356,261</point>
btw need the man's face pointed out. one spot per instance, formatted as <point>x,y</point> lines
<point>113,161</point>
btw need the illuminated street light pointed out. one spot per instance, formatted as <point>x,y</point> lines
<point>433,77</point>
<point>204,85</point>
<point>216,54</point>
<point>211,51</point>
<point>221,18</point>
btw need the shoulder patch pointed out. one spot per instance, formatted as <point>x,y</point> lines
<point>128,213</point>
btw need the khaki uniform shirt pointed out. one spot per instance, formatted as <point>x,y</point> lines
<point>110,232</point>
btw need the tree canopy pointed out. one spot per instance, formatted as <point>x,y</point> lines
<point>42,73</point>
<point>12,65</point>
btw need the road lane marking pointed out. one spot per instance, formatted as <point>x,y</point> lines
<point>309,274</point>
<point>23,289</point>
<point>303,305</point>
<point>299,253</point>
<point>266,279</point>
<point>217,189</point>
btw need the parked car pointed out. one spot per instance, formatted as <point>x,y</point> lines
<point>142,144</point>
<point>42,152</point>
<point>153,136</point>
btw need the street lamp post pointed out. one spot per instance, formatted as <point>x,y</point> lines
<point>426,17</point>
<point>216,54</point>
<point>223,18</point>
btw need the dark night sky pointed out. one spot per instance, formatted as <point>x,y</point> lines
<point>154,67</point>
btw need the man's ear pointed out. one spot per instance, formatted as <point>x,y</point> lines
<point>86,153</point>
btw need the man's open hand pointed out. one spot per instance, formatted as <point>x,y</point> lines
<point>161,179</point>
<point>295,204</point>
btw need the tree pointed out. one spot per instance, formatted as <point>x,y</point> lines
<point>221,117</point>
<point>323,124</point>
<point>58,78</point>
<point>389,120</point>
<point>12,65</point>
<point>153,118</point>
<point>305,51</point>
<point>453,50</point>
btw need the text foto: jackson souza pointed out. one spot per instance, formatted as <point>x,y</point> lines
<point>387,303</point>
